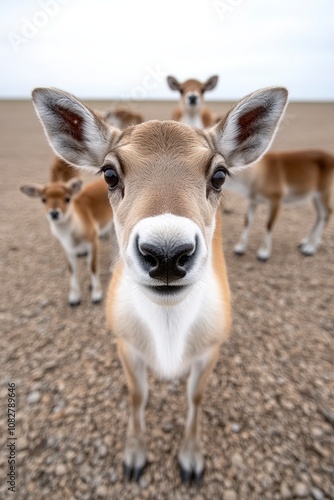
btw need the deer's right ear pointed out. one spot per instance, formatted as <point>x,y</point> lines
<point>33,190</point>
<point>75,132</point>
<point>173,83</point>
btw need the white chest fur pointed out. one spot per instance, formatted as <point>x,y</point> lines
<point>66,233</point>
<point>193,119</point>
<point>169,327</point>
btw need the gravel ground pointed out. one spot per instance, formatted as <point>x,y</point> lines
<point>268,416</point>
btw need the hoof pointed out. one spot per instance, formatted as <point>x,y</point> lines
<point>261,258</point>
<point>307,250</point>
<point>307,253</point>
<point>239,253</point>
<point>97,301</point>
<point>75,303</point>
<point>190,477</point>
<point>132,473</point>
<point>82,254</point>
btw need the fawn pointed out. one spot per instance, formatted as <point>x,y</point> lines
<point>191,109</point>
<point>286,177</point>
<point>169,301</point>
<point>76,220</point>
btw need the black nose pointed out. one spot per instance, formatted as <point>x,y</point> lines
<point>192,99</point>
<point>54,214</point>
<point>167,264</point>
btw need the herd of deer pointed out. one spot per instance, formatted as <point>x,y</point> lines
<point>168,302</point>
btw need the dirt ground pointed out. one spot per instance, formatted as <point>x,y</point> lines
<point>268,416</point>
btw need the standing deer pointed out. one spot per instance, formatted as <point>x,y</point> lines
<point>76,220</point>
<point>286,177</point>
<point>169,300</point>
<point>191,109</point>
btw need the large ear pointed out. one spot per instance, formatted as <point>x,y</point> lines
<point>74,131</point>
<point>246,133</point>
<point>173,83</point>
<point>33,190</point>
<point>74,185</point>
<point>211,83</point>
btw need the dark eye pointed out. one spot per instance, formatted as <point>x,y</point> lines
<point>111,177</point>
<point>218,179</point>
<point>43,199</point>
<point>67,199</point>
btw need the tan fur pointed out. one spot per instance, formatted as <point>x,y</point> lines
<point>300,171</point>
<point>62,171</point>
<point>283,176</point>
<point>84,215</point>
<point>121,117</point>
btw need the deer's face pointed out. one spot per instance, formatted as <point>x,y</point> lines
<point>55,196</point>
<point>164,185</point>
<point>192,91</point>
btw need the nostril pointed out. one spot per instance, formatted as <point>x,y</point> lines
<point>183,260</point>
<point>185,255</point>
<point>148,255</point>
<point>149,259</point>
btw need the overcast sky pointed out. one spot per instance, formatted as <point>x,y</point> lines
<point>125,48</point>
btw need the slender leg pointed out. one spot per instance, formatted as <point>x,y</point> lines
<point>135,448</point>
<point>264,251</point>
<point>310,244</point>
<point>92,260</point>
<point>74,296</point>
<point>240,248</point>
<point>190,456</point>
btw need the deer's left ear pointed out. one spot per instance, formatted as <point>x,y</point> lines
<point>74,185</point>
<point>246,133</point>
<point>211,83</point>
<point>75,132</point>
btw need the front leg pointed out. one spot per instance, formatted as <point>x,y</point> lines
<point>74,296</point>
<point>92,260</point>
<point>240,247</point>
<point>190,457</point>
<point>135,373</point>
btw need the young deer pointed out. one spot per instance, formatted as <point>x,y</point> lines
<point>285,177</point>
<point>76,220</point>
<point>122,117</point>
<point>61,171</point>
<point>169,300</point>
<point>191,109</point>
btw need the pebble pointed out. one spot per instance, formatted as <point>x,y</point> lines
<point>237,460</point>
<point>285,491</point>
<point>60,469</point>
<point>34,397</point>
<point>167,427</point>
<point>230,495</point>
<point>102,451</point>
<point>102,491</point>
<point>301,490</point>
<point>236,428</point>
<point>317,494</point>
<point>112,475</point>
